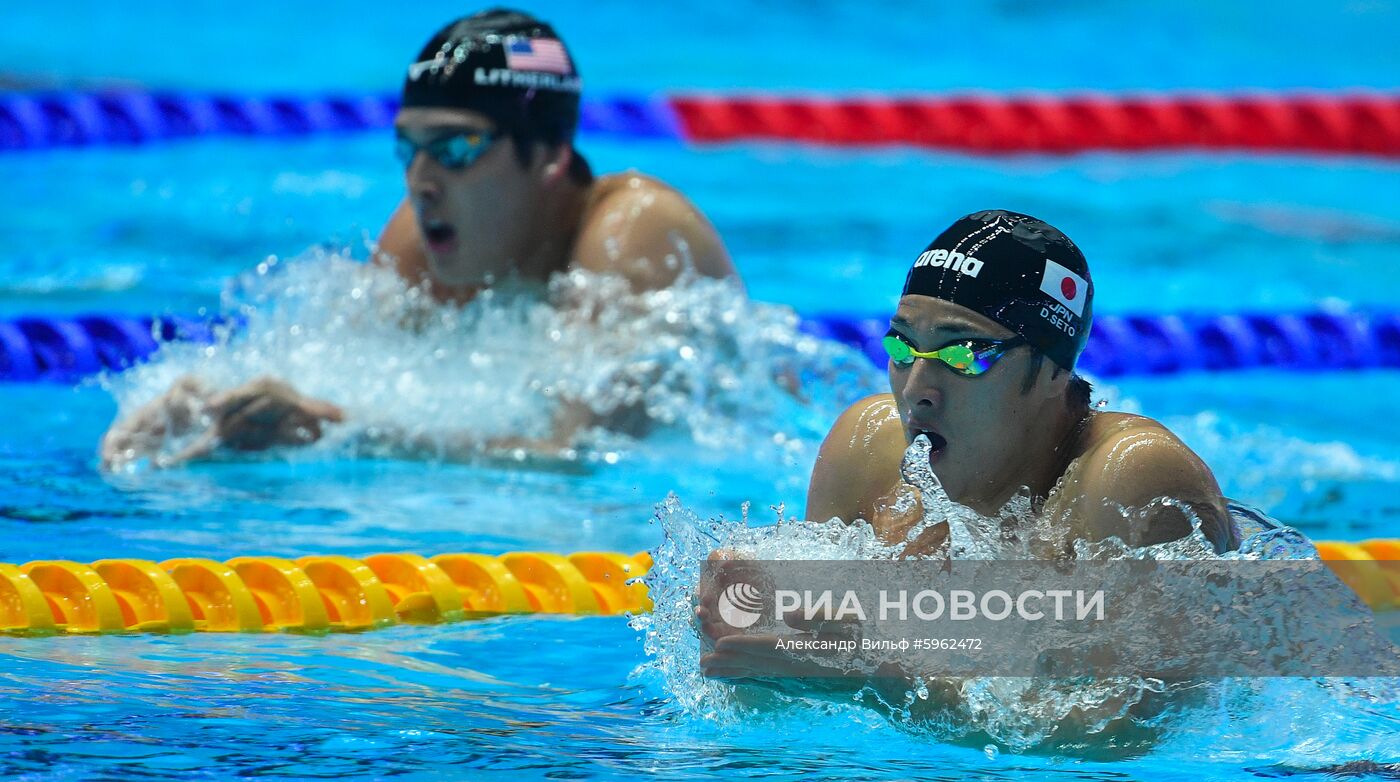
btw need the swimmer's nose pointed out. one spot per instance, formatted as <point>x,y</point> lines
<point>922,386</point>
<point>423,187</point>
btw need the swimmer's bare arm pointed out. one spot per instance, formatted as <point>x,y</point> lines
<point>856,468</point>
<point>1134,470</point>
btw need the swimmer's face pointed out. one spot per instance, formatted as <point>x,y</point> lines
<point>475,220</point>
<point>982,427</point>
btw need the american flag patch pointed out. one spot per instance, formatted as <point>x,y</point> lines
<point>538,54</point>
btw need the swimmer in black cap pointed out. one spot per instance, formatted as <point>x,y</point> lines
<point>497,194</point>
<point>993,317</point>
<point>982,351</point>
<point>495,187</point>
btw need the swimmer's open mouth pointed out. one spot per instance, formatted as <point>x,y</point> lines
<point>936,441</point>
<point>439,235</point>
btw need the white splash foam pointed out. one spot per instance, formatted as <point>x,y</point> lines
<point>697,358</point>
<point>1016,712</point>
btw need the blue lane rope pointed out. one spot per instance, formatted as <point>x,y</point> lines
<point>39,120</point>
<point>65,349</point>
<point>1122,345</point>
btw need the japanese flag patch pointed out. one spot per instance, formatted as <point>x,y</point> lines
<point>1064,286</point>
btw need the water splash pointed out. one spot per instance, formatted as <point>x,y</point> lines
<point>1017,713</point>
<point>970,534</point>
<point>698,359</point>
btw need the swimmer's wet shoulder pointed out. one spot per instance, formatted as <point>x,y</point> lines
<point>857,468</point>
<point>1130,462</point>
<point>1116,461</point>
<point>629,224</point>
<point>647,231</point>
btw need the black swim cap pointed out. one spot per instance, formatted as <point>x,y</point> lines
<point>1019,271</point>
<point>505,64</point>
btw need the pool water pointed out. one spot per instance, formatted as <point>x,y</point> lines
<point>177,228</point>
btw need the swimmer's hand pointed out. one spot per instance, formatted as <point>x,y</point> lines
<point>253,417</point>
<point>775,660</point>
<point>141,435</point>
<point>782,661</point>
<point>259,415</point>
<point>724,567</point>
<point>758,657</point>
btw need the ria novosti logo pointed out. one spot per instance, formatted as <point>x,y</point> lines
<point>740,605</point>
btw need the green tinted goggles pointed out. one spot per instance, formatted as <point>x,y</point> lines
<point>970,357</point>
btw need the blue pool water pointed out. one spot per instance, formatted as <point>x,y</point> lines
<point>165,229</point>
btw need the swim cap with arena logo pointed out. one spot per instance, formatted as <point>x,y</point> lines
<point>1019,271</point>
<point>505,64</point>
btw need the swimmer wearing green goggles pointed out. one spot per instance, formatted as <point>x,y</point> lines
<point>982,350</point>
<point>1007,301</point>
<point>967,357</point>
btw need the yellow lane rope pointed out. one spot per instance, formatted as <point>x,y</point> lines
<point>319,594</point>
